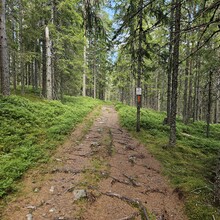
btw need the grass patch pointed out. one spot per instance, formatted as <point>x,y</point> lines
<point>189,165</point>
<point>31,129</point>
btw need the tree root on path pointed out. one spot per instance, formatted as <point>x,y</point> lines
<point>58,170</point>
<point>134,202</point>
<point>132,181</point>
<point>114,180</point>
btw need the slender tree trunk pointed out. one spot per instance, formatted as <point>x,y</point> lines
<point>197,93</point>
<point>4,62</point>
<point>84,72</point>
<point>190,95</point>
<point>140,59</point>
<point>216,116</point>
<point>49,65</point>
<point>44,69</point>
<point>13,58</point>
<point>185,96</point>
<point>84,52</point>
<point>170,66</point>
<point>14,73</point>
<point>95,80</point>
<point>208,117</point>
<point>36,68</point>
<point>172,139</point>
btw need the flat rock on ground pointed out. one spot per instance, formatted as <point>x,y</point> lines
<point>113,175</point>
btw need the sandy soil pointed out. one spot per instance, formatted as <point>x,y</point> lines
<point>121,179</point>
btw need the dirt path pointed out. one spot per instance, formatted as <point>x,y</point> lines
<point>115,177</point>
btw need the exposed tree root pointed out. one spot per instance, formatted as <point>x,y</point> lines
<point>57,170</point>
<point>132,181</point>
<point>134,202</point>
<point>114,180</point>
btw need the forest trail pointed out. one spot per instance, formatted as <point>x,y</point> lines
<point>113,174</point>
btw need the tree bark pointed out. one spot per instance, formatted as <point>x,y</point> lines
<point>186,84</point>
<point>140,59</point>
<point>216,116</point>
<point>4,62</point>
<point>172,139</point>
<point>44,69</point>
<point>84,52</point>
<point>170,64</point>
<point>208,117</point>
<point>84,72</point>
<point>49,65</point>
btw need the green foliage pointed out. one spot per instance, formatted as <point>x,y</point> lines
<point>31,128</point>
<point>189,165</point>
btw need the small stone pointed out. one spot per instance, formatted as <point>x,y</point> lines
<point>58,159</point>
<point>29,216</point>
<point>52,189</point>
<point>31,207</point>
<point>95,144</point>
<point>129,147</point>
<point>36,190</point>
<point>52,210</point>
<point>132,159</point>
<point>78,194</point>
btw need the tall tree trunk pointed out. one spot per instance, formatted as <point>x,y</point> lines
<point>84,51</point>
<point>190,95</point>
<point>216,116</point>
<point>49,65</point>
<point>95,80</point>
<point>185,95</point>
<point>84,71</point>
<point>172,139</point>
<point>140,59</point>
<point>14,73</point>
<point>36,70</point>
<point>21,49</point>
<point>197,92</point>
<point>170,65</point>
<point>44,69</point>
<point>13,59</point>
<point>4,63</point>
<point>209,107</point>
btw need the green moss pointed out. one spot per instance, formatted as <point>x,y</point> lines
<point>32,127</point>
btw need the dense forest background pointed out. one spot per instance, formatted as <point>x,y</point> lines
<point>169,48</point>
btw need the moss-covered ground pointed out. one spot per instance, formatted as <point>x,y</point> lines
<point>31,128</point>
<point>190,165</point>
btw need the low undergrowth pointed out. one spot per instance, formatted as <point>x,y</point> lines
<point>190,165</point>
<point>31,128</point>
